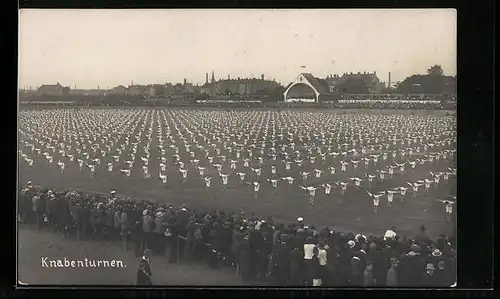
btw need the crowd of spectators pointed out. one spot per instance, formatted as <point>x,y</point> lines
<point>296,254</point>
<point>394,101</point>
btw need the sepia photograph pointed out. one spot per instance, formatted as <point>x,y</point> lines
<point>237,147</point>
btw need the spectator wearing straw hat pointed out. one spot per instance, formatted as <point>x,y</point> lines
<point>435,255</point>
<point>300,222</point>
<point>113,195</point>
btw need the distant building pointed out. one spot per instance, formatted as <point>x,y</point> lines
<point>356,83</point>
<point>241,86</point>
<point>151,91</point>
<point>53,90</point>
<point>188,87</point>
<point>95,92</point>
<point>78,92</point>
<point>137,90</point>
<point>168,89</point>
<point>119,91</point>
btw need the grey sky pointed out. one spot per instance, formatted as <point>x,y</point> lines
<point>87,48</point>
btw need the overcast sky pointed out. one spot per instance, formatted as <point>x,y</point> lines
<point>87,48</point>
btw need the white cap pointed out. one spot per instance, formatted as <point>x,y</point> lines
<point>389,234</point>
<point>300,219</point>
<point>113,192</point>
<point>184,209</point>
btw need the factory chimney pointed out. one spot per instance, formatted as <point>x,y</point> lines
<point>389,84</point>
<point>206,78</point>
<point>262,77</point>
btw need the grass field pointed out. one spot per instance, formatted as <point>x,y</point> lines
<point>353,212</point>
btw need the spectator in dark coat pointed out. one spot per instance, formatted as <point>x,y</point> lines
<point>357,271</point>
<point>429,279</point>
<point>411,265</point>
<point>282,263</point>
<point>143,277</point>
<point>296,268</point>
<point>170,239</point>
<point>85,216</point>
<point>332,265</point>
<point>137,236</point>
<point>244,259</point>
<point>264,254</point>
<point>145,268</point>
<point>380,266</point>
<point>368,278</point>
<point>392,279</point>
<point>443,275</point>
<point>345,268</point>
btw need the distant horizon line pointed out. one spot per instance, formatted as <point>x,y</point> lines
<point>216,80</point>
